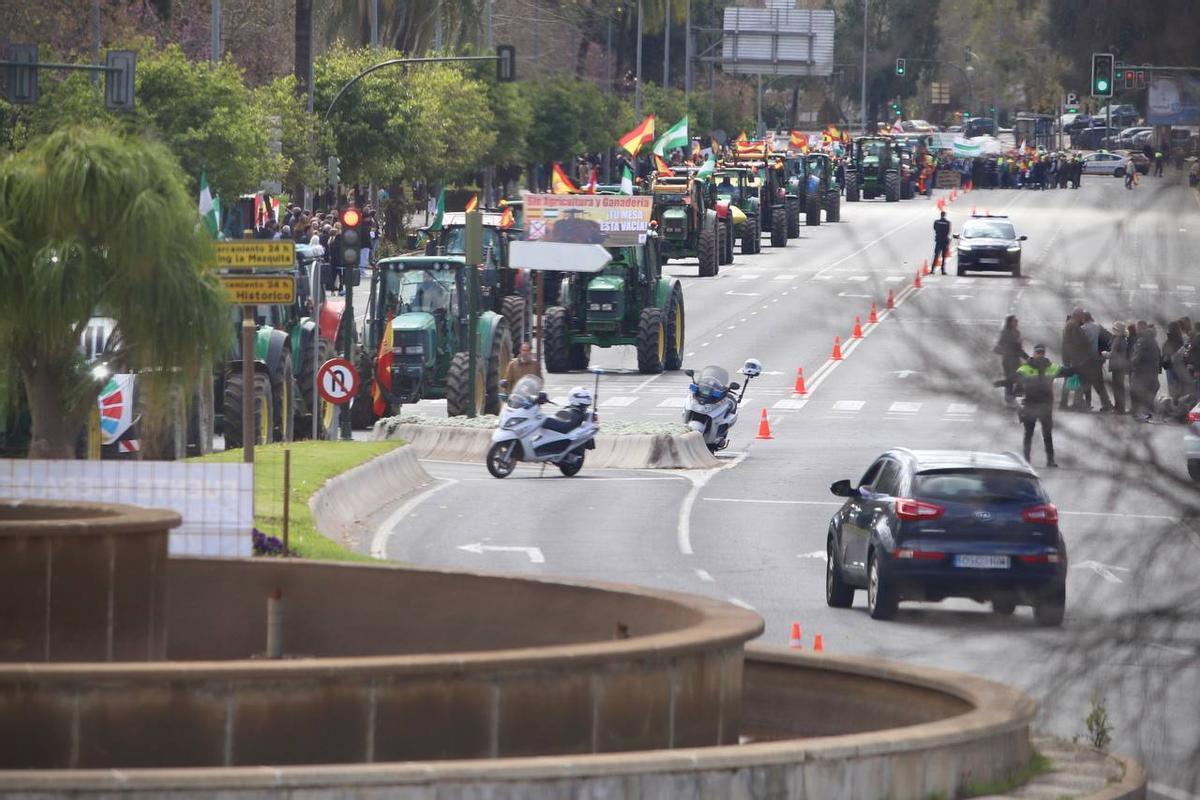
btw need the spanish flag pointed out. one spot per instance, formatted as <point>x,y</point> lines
<point>559,182</point>
<point>506,219</point>
<point>834,133</point>
<point>383,370</point>
<point>798,141</point>
<point>662,167</point>
<point>642,134</point>
<point>473,203</point>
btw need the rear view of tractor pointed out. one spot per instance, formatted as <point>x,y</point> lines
<point>736,186</point>
<point>821,191</point>
<point>873,170</point>
<point>777,200</point>
<point>688,226</point>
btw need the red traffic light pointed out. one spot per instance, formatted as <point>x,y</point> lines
<point>351,218</point>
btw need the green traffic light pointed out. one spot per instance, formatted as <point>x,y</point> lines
<point>1102,85</point>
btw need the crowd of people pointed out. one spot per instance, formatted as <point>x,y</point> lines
<point>323,228</point>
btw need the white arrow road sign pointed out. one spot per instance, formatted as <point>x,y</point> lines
<point>847,294</point>
<point>1103,570</point>
<point>534,553</point>
<point>903,373</point>
<point>558,256</point>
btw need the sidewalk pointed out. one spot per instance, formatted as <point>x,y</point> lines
<point>1078,771</point>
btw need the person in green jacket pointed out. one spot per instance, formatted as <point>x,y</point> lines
<point>1037,376</point>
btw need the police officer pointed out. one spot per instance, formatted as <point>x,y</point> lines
<point>941,242</point>
<point>1159,158</point>
<point>1037,376</point>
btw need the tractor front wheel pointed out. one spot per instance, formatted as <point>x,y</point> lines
<point>891,187</point>
<point>264,406</point>
<point>706,251</point>
<point>460,384</point>
<point>749,236</point>
<point>812,212</point>
<point>779,226</point>
<point>556,341</point>
<point>675,331</point>
<point>308,389</point>
<point>851,188</point>
<point>496,364</point>
<point>651,341</point>
<point>833,208</point>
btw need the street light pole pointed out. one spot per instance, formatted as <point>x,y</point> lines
<point>216,31</point>
<point>637,87</point>
<point>667,47</point>
<point>864,71</point>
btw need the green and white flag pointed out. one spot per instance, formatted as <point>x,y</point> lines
<point>436,224</point>
<point>210,207</point>
<point>676,136</point>
<point>708,168</point>
<point>626,180</point>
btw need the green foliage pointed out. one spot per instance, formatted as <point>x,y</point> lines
<point>304,136</point>
<point>511,111</point>
<point>571,117</point>
<point>65,99</point>
<point>1038,765</point>
<point>1099,729</point>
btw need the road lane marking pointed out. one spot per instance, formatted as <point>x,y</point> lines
<point>820,554</point>
<point>900,407</point>
<point>789,405</point>
<point>1183,287</point>
<point>785,277</point>
<point>894,278</point>
<point>683,526</point>
<point>849,405</point>
<point>740,603</point>
<point>765,501</point>
<point>703,575</point>
<point>1117,514</point>
<point>1151,286</point>
<point>379,542</point>
<point>479,548</point>
<point>617,402</point>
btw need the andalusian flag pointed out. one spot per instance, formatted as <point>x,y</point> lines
<point>436,225</point>
<point>473,203</point>
<point>675,137</point>
<point>707,169</point>
<point>633,141</point>
<point>662,167</point>
<point>626,180</point>
<point>210,207</point>
<point>559,182</point>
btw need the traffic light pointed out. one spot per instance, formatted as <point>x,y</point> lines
<point>966,115</point>
<point>1130,78</point>
<point>335,170</point>
<point>1141,79</point>
<point>352,243</point>
<point>900,67</point>
<point>506,63</point>
<point>1102,74</point>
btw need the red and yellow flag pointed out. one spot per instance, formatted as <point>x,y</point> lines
<point>741,137</point>
<point>559,182</point>
<point>506,219</point>
<point>473,203</point>
<point>642,134</point>
<point>383,370</point>
<point>834,133</point>
<point>799,141</point>
<point>662,167</point>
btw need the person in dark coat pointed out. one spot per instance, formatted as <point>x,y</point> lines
<point>941,242</point>
<point>1118,363</point>
<point>1011,353</point>
<point>1145,364</point>
<point>1083,356</point>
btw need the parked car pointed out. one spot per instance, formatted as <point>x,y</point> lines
<point>1105,164</point>
<point>1080,122</point>
<point>931,524</point>
<point>1122,115</point>
<point>1092,138</point>
<point>979,126</point>
<point>917,126</point>
<point>1191,442</point>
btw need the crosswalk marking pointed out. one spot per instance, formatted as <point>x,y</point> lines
<point>823,277</point>
<point>900,407</point>
<point>961,408</point>
<point>789,405</point>
<point>894,278</point>
<point>673,402</point>
<point>617,402</point>
<point>858,278</point>
<point>752,276</point>
<point>849,405</point>
<point>1151,286</point>
<point>784,278</point>
<point>1183,287</point>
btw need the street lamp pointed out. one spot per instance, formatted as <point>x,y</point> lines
<point>970,71</point>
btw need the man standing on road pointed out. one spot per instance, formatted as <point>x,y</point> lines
<point>1037,377</point>
<point>1145,364</point>
<point>1159,158</point>
<point>524,364</point>
<point>1082,355</point>
<point>941,242</point>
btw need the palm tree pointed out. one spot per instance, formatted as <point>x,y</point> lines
<point>93,220</point>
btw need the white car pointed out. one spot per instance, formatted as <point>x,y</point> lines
<point>1105,164</point>
<point>1191,442</point>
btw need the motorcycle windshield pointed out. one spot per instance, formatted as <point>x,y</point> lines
<point>712,383</point>
<point>525,393</point>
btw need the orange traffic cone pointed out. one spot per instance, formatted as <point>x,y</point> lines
<point>818,644</point>
<point>764,427</point>
<point>873,317</point>
<point>954,194</point>
<point>941,204</point>
<point>794,641</point>
<point>836,355</point>
<point>857,332</point>
<point>925,265</point>
<point>891,301</point>
<point>917,281</point>
<point>799,388</point>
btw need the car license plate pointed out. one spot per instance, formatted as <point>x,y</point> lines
<point>989,261</point>
<point>982,562</point>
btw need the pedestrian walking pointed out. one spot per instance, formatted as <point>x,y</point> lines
<point>941,242</point>
<point>1145,364</point>
<point>1037,380</point>
<point>1081,353</point>
<point>1011,353</point>
<point>1118,364</point>
<point>523,364</point>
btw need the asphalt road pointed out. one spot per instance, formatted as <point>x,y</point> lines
<point>753,532</point>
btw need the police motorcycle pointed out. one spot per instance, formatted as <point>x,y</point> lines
<point>712,406</point>
<point>525,433</point>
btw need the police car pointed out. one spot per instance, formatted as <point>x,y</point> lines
<point>989,243</point>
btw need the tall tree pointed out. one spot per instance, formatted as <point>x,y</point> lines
<point>91,220</point>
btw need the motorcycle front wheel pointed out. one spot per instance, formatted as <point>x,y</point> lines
<point>499,459</point>
<point>571,464</point>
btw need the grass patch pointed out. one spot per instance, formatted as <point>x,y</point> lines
<point>313,463</point>
<point>1038,765</point>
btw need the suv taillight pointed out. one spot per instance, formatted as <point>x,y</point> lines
<point>1046,514</point>
<point>907,508</point>
<point>1193,416</point>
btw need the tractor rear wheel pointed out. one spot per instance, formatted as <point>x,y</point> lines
<point>556,340</point>
<point>264,406</point>
<point>651,341</point>
<point>749,236</point>
<point>283,390</point>
<point>675,331</point>
<point>779,226</point>
<point>727,229</point>
<point>907,190</point>
<point>460,383</point>
<point>812,213</point>
<point>307,388</point>
<point>833,207</point>
<point>706,251</point>
<point>581,356</point>
<point>891,187</point>
<point>793,217</point>
<point>496,364</point>
<point>851,187</point>
<point>512,308</point>
<point>757,234</point>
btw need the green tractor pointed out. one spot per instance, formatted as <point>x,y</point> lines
<point>873,169</point>
<point>737,188</point>
<point>628,303</point>
<point>775,201</point>
<point>821,191</point>
<point>688,226</point>
<point>795,176</point>
<point>416,344</point>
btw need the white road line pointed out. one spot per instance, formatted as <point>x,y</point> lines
<point>749,276</point>
<point>857,278</point>
<point>703,575</point>
<point>772,502</point>
<point>1151,286</point>
<point>383,533</point>
<point>789,405</point>
<point>894,278</point>
<point>673,402</point>
<point>827,369</point>
<point>740,603</point>
<point>1169,649</point>
<point>647,382</point>
<point>849,405</point>
<point>904,408</point>
<point>1183,287</point>
<point>617,402</point>
<point>962,408</point>
<point>785,277</point>
<point>917,217</point>
<point>1116,514</point>
<point>683,526</point>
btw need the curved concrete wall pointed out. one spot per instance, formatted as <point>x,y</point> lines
<point>553,679</point>
<point>82,581</point>
<point>952,730</point>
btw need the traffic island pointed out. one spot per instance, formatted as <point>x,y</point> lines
<point>628,445</point>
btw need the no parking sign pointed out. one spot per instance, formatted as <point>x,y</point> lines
<point>337,381</point>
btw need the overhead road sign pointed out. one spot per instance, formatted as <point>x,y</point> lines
<point>250,290</point>
<point>777,40</point>
<point>255,254</point>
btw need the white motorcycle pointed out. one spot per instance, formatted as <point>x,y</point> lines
<point>712,406</point>
<point>527,434</point>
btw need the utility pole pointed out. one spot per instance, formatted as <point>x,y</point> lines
<point>637,88</point>
<point>667,47</point>
<point>216,31</point>
<point>96,40</point>
<point>687,52</point>
<point>375,25</point>
<point>864,71</point>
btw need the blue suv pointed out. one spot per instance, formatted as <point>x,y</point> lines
<point>931,524</point>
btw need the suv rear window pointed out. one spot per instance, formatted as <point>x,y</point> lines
<point>977,229</point>
<point>976,485</point>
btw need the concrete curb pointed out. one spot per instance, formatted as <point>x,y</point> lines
<point>1131,787</point>
<point>635,451</point>
<point>346,501</point>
